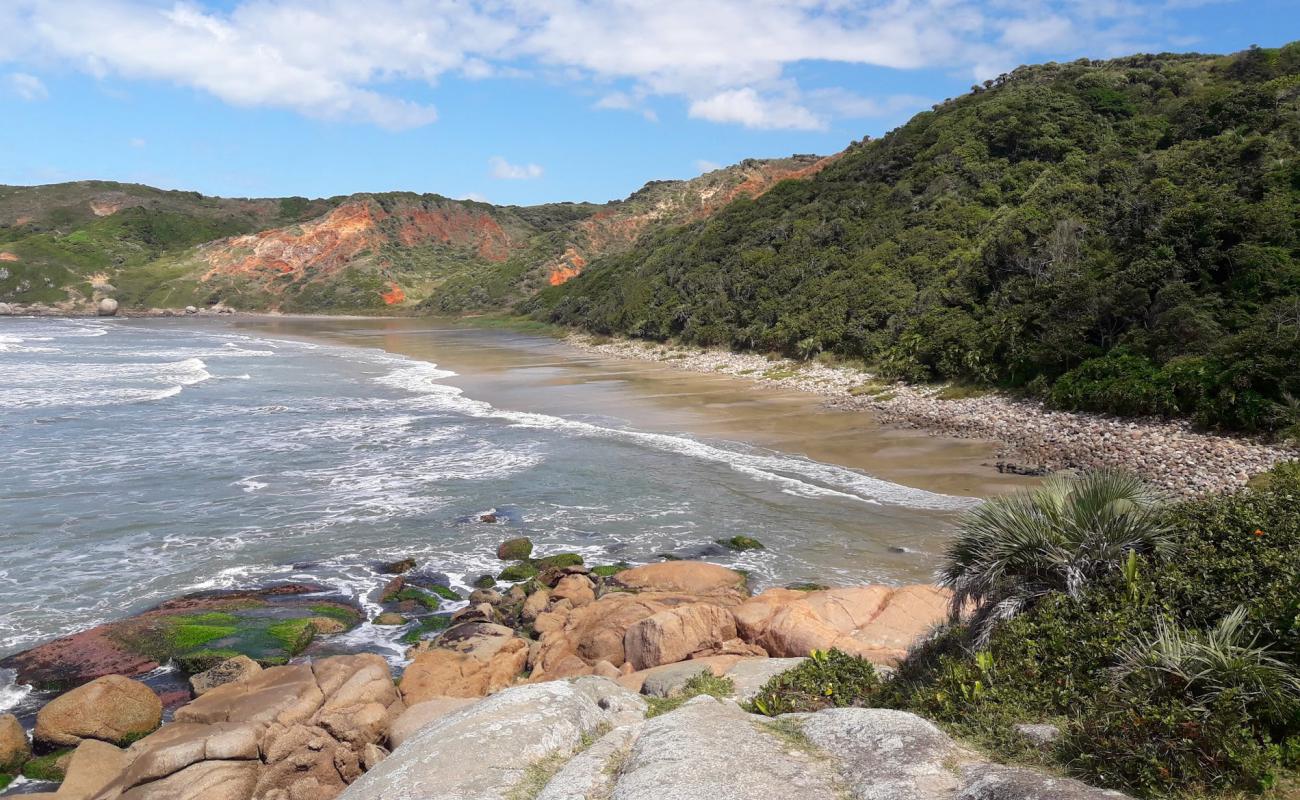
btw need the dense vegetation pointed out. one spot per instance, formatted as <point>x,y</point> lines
<point>1118,236</point>
<point>1171,674</point>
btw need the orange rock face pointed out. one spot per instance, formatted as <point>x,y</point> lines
<point>877,623</point>
<point>568,267</point>
<point>9,257</point>
<point>320,249</point>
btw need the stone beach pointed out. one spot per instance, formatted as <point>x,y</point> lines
<point>1031,438</point>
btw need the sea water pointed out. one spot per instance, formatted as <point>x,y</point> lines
<point>143,459</point>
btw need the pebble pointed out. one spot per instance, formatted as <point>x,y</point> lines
<point>1032,439</point>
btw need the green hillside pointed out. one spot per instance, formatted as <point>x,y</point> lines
<point>1113,235</point>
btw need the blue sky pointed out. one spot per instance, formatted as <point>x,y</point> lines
<point>518,101</point>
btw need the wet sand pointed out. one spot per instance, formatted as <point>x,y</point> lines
<point>522,372</point>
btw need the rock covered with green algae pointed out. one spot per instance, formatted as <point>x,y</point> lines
<point>270,625</point>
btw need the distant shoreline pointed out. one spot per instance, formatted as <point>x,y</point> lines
<point>1032,438</point>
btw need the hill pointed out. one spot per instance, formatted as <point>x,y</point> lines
<point>65,244</point>
<point>1115,235</point>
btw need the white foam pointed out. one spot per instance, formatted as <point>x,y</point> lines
<point>795,475</point>
<point>12,693</point>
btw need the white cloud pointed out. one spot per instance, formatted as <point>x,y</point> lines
<point>746,107</point>
<point>501,169</point>
<point>28,87</point>
<point>726,60</point>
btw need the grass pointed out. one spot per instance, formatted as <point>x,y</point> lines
<point>44,768</point>
<point>962,391</point>
<point>540,772</point>
<point>704,683</point>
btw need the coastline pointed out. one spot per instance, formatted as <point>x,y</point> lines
<point>1031,438</point>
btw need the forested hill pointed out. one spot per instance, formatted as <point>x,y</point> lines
<point>1115,235</point>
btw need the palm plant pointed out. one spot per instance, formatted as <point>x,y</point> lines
<point>1011,551</point>
<point>1210,665</point>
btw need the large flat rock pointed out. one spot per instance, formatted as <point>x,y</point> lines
<point>483,752</point>
<point>883,754</point>
<point>711,750</point>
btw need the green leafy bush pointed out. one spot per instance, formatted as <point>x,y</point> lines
<point>1118,383</point>
<point>826,680</point>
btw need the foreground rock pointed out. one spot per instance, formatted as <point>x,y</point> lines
<point>268,625</point>
<point>712,749</point>
<point>300,732</point>
<point>485,752</point>
<point>587,739</point>
<point>14,749</point>
<point>471,659</point>
<point>108,709</point>
<point>877,623</point>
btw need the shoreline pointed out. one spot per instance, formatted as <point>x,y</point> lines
<point>1031,438</point>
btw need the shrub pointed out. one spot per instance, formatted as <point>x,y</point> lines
<point>826,680</point>
<point>1117,383</point>
<point>704,683</point>
<point>1012,551</point>
<point>1161,746</point>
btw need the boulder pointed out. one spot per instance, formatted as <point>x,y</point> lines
<point>6,310</point>
<point>886,753</point>
<point>107,307</point>
<point>711,749</point>
<point>470,660</point>
<point>668,680</point>
<point>577,589</point>
<point>674,634</point>
<point>997,782</point>
<point>93,766</point>
<point>423,713</point>
<point>232,670</point>
<point>535,604</point>
<point>206,780</point>
<point>515,549</point>
<point>251,622</point>
<point>178,745</point>
<point>191,310</point>
<point>398,567</point>
<point>110,709</point>
<point>878,623</point>
<point>749,675</point>
<point>14,749</point>
<point>683,577</point>
<point>284,695</point>
<point>485,752</point>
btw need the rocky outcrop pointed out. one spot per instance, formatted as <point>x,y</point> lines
<point>298,732</point>
<point>109,709</point>
<point>675,634</point>
<point>878,623</point>
<point>471,659</point>
<point>696,578</point>
<point>269,625</point>
<point>486,751</point>
<point>586,739</point>
<point>232,670</point>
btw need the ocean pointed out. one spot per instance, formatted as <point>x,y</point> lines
<point>143,459</point>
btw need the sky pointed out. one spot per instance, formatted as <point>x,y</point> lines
<point>521,101</point>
